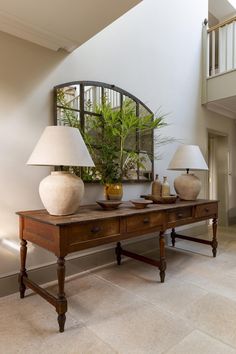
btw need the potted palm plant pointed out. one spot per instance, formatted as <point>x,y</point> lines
<point>114,129</point>
<point>106,134</point>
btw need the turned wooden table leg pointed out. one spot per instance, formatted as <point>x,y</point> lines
<point>214,239</point>
<point>118,252</point>
<point>162,266</point>
<point>23,253</point>
<point>61,302</point>
<point>173,237</point>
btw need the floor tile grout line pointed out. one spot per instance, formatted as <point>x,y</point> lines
<point>202,288</point>
<point>101,339</point>
<point>147,302</point>
<point>158,306</point>
<point>176,278</point>
<point>219,340</point>
<point>185,335</point>
<point>166,351</point>
<point>204,332</point>
<point>133,294</point>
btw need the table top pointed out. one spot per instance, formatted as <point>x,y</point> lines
<point>95,212</point>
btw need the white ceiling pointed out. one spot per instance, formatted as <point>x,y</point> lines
<point>221,9</point>
<point>59,24</point>
<point>224,106</point>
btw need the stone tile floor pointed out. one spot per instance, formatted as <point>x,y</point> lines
<point>127,310</point>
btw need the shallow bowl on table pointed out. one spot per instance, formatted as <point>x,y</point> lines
<point>140,203</point>
<point>109,204</point>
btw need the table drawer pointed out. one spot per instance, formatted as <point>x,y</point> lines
<point>93,230</point>
<point>205,210</point>
<point>144,221</point>
<point>180,214</point>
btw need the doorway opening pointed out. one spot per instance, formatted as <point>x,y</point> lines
<point>218,162</point>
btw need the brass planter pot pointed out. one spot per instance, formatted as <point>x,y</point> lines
<point>114,191</point>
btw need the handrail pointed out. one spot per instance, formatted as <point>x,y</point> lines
<point>221,24</point>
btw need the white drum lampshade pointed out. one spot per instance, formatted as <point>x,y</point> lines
<point>188,157</point>
<point>61,192</point>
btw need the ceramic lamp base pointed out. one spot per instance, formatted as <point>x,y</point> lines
<point>187,186</point>
<point>61,193</point>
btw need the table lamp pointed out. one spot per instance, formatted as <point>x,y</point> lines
<point>188,157</point>
<point>61,192</point>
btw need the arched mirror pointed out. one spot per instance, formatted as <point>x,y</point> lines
<point>115,125</point>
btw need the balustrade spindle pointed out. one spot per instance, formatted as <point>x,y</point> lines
<point>213,52</point>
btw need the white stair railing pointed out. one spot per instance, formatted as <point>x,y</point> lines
<point>92,96</point>
<point>221,48</point>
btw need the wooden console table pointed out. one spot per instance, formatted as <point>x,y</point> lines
<point>92,226</point>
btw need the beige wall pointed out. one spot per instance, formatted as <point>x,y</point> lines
<point>140,53</point>
<point>25,109</point>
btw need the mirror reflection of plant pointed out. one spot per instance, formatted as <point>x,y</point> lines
<point>133,162</point>
<point>104,144</point>
<point>106,134</point>
<point>116,126</point>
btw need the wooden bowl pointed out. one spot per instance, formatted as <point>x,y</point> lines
<point>170,199</point>
<point>140,203</point>
<point>109,204</point>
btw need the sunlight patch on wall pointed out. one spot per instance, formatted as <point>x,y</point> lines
<point>13,246</point>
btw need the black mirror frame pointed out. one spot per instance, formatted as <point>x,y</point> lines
<point>82,112</point>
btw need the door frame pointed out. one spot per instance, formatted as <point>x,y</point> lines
<point>212,132</point>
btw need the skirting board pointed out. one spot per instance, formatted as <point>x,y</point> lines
<point>82,263</point>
